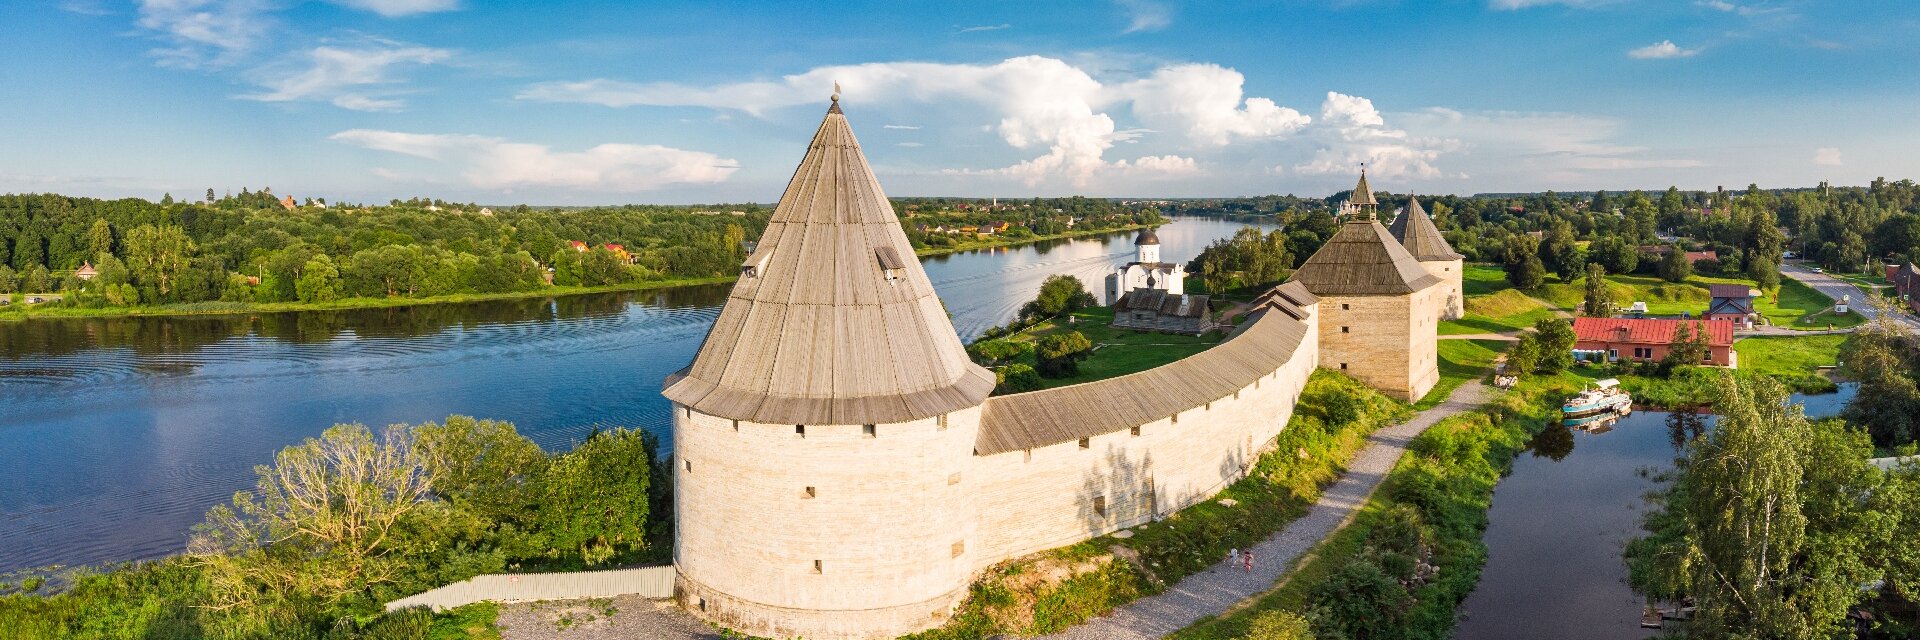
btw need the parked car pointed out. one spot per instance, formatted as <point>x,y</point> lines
<point>33,300</point>
<point>1819,270</point>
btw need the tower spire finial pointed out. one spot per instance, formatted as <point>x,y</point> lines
<point>835,107</point>
<point>1362,200</point>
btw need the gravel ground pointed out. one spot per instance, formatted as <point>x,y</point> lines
<point>1219,588</point>
<point>622,617</point>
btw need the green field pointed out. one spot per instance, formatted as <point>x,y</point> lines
<point>1461,361</point>
<point>1795,305</point>
<point>1789,356</point>
<point>1117,352</point>
<point>1502,312</point>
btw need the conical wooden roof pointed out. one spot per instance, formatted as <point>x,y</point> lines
<point>833,321</point>
<point>1362,259</point>
<point>1362,194</point>
<point>1415,231</point>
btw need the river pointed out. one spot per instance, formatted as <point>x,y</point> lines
<point>1563,516</point>
<point>117,434</point>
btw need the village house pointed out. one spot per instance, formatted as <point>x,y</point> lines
<point>1648,339</point>
<point>1906,284</point>
<point>1733,303</point>
<point>1157,310</point>
<point>1657,252</point>
<point>86,271</point>
<point>287,203</point>
<point>619,251</point>
<point>579,246</point>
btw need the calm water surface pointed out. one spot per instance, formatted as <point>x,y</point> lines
<point>1562,518</point>
<point>116,435</point>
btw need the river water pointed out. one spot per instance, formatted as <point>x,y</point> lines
<point>1563,516</point>
<point>116,435</point>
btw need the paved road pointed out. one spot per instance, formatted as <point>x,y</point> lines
<point>1835,288</point>
<point>1217,589</point>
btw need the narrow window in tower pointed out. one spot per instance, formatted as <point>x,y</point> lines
<point>816,567</point>
<point>959,548</point>
<point>870,430</point>
<point>811,493</point>
<point>689,411</point>
<point>801,429</point>
<point>1174,419</point>
<point>1136,431</point>
<point>1236,395</point>
<point>1100,505</point>
<point>1029,456</point>
<point>943,422</point>
<point>1343,366</point>
<point>1344,307</point>
<point>1086,443</point>
<point>1346,330</point>
<point>701,602</point>
<point>689,466</point>
<point>736,425</point>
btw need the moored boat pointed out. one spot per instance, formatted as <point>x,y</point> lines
<point>1602,397</point>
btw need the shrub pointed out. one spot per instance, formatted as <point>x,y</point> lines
<point>1279,625</point>
<point>1059,354</point>
<point>1015,378</point>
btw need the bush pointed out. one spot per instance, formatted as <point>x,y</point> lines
<point>1279,625</point>
<point>1059,354</point>
<point>1016,378</point>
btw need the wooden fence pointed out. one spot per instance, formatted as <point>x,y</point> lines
<point>651,582</point>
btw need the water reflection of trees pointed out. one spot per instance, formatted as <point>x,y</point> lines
<point>1684,426</point>
<point>1555,443</point>
<point>170,335</point>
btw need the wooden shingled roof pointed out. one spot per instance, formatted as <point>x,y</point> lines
<point>831,321</point>
<point>1362,259</point>
<point>1065,414</point>
<point>1415,231</point>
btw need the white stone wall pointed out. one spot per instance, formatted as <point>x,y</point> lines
<point>1387,342</point>
<point>1451,274</point>
<point>882,522</point>
<point>903,521</point>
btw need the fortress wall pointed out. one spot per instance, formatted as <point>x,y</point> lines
<point>1369,338</point>
<point>1452,277</point>
<point>1423,365</point>
<point>883,522</point>
<point>1042,498</point>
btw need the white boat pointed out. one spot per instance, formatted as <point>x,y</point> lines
<point>1602,397</point>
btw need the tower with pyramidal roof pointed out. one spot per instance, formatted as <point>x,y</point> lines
<point>821,430</point>
<point>1417,233</point>
<point>1380,308</point>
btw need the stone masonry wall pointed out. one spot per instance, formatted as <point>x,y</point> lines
<point>1452,276</point>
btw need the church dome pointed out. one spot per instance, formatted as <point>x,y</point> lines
<point>1146,237</point>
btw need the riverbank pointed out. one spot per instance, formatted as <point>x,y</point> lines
<point>18,310</point>
<point>346,304</point>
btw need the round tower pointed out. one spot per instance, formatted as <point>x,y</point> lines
<point>1148,244</point>
<point>1417,233</point>
<point>821,433</point>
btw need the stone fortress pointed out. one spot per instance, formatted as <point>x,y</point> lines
<point>840,471</point>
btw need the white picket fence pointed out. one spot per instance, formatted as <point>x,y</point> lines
<point>650,582</point>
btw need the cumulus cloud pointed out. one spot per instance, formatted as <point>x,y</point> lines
<point>204,32</point>
<point>1204,102</point>
<point>1040,103</point>
<point>495,163</point>
<point>985,27</point>
<point>399,8</point>
<point>1145,15</point>
<point>904,127</point>
<point>1352,131</point>
<point>1661,50</point>
<point>1556,147</point>
<point>350,78</point>
<point>1827,156</point>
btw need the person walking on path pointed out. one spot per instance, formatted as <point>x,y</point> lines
<point>1247,559</point>
<point>1233,556</point>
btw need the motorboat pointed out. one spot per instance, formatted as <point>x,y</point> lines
<point>1600,398</point>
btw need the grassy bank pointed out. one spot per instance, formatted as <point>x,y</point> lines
<point>1117,352</point>
<point>1461,361</point>
<point>17,312</point>
<point>997,241</point>
<point>1050,591</point>
<point>1794,305</point>
<point>1413,552</point>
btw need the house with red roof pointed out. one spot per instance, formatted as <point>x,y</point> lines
<point>619,251</point>
<point>579,246</point>
<point>1906,284</point>
<point>1733,303</point>
<point>1648,339</point>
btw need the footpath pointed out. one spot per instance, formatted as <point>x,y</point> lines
<point>1219,588</point>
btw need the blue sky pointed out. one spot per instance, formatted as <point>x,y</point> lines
<point>586,103</point>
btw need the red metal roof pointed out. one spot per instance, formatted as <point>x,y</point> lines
<point>1647,331</point>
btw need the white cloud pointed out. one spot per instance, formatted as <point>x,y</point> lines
<point>1039,103</point>
<point>204,32</point>
<point>344,76</point>
<point>399,8</point>
<point>1159,166</point>
<point>1513,5</point>
<point>1827,156</point>
<point>1660,51</point>
<point>985,27</point>
<point>494,163</point>
<point>909,145</point>
<point>1204,101</point>
<point>1353,131</point>
<point>1557,148</point>
<point>1145,15</point>
<point>905,127</point>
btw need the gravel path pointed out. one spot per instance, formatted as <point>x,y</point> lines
<point>1219,588</point>
<point>622,617</point>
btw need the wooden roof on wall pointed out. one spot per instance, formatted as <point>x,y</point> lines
<point>1416,233</point>
<point>817,333</point>
<point>1066,414</point>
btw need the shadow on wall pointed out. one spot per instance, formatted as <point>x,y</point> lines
<point>1117,491</point>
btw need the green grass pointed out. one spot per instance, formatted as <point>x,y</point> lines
<point>1117,352</point>
<point>1461,361</point>
<point>1482,279</point>
<point>1794,305</point>
<point>1504,311</point>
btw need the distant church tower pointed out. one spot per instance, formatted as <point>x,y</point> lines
<point>1379,308</point>
<point>1416,232</point>
<point>820,433</point>
<point>1146,271</point>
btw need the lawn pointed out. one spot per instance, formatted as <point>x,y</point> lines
<point>1118,352</point>
<point>1483,279</point>
<point>1504,311</point>
<point>1789,356</point>
<point>1461,361</point>
<point>1794,305</point>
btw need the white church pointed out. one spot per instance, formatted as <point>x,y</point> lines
<point>1146,271</point>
